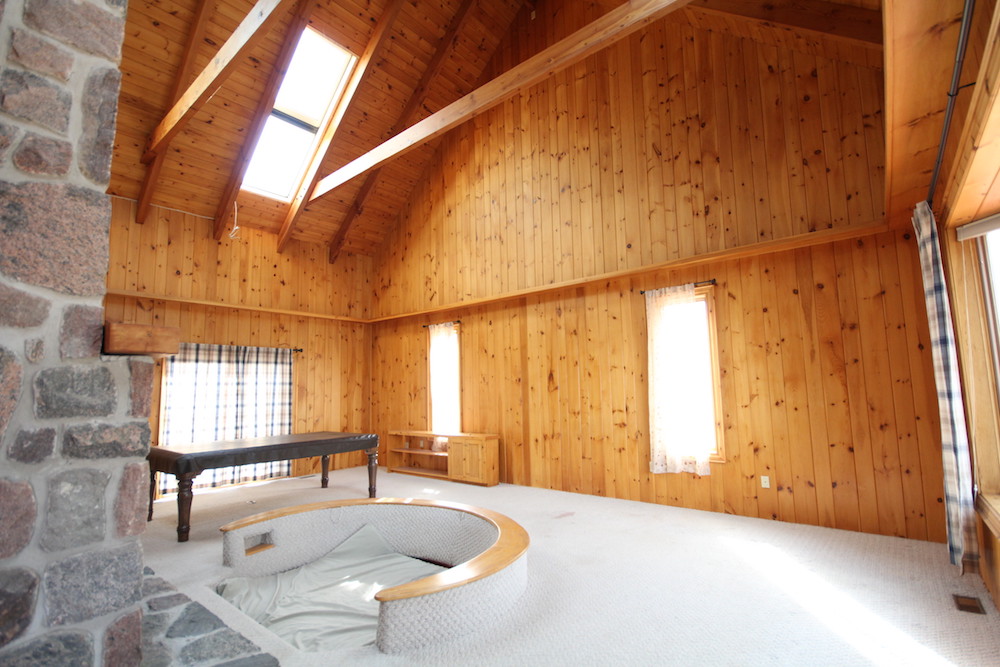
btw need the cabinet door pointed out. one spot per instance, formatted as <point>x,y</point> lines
<point>465,460</point>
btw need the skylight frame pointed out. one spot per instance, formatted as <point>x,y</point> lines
<point>257,178</point>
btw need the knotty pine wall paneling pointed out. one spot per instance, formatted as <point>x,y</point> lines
<point>673,143</point>
<point>826,387</point>
<point>170,271</point>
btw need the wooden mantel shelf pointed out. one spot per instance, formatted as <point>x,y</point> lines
<point>145,339</point>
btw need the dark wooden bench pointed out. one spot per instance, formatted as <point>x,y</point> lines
<point>186,463</point>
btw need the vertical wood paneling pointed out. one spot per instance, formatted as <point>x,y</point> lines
<point>670,144</point>
<point>174,255</point>
<point>824,389</point>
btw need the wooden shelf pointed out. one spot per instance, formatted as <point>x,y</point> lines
<point>418,452</point>
<point>468,457</point>
<point>421,472</point>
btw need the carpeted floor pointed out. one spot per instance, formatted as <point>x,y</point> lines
<point>614,582</point>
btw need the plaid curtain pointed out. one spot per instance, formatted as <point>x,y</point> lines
<point>958,483</point>
<point>226,392</point>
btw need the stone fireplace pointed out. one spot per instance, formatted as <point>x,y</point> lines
<point>73,422</point>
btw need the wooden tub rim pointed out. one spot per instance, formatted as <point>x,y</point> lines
<point>511,543</point>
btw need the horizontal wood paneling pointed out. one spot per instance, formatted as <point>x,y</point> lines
<point>673,143</point>
<point>826,383</point>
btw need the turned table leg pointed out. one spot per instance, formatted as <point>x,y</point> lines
<point>372,470</point>
<point>152,492</point>
<point>324,478</point>
<point>184,496</point>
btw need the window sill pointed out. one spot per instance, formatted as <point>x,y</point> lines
<point>988,506</point>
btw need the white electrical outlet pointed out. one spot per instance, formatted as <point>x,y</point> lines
<point>765,482</point>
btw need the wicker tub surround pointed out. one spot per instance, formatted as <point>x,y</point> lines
<point>485,553</point>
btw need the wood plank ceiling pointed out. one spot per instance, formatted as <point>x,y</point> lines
<point>435,52</point>
<point>195,168</point>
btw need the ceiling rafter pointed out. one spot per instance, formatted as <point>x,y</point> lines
<point>247,35</point>
<point>372,52</point>
<point>184,76</point>
<point>857,25</point>
<point>599,34</point>
<point>232,189</point>
<point>445,47</point>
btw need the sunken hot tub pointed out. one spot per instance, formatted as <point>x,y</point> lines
<point>471,566</point>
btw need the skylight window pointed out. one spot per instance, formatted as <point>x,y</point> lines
<point>314,81</point>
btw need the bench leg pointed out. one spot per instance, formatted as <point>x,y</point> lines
<point>372,470</point>
<point>324,478</point>
<point>152,492</point>
<point>184,497</point>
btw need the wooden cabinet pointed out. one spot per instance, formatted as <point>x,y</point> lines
<point>462,457</point>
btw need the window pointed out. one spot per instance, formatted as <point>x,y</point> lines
<point>315,79</point>
<point>445,378</point>
<point>684,402</point>
<point>990,250</point>
<point>225,392</point>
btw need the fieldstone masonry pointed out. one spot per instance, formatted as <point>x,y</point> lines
<point>73,423</point>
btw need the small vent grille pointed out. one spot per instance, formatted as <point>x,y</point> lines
<point>969,604</point>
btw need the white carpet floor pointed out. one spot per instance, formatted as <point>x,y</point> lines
<point>614,582</point>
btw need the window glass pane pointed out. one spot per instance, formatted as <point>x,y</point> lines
<point>993,259</point>
<point>315,73</point>
<point>315,77</point>
<point>445,374</point>
<point>683,371</point>
<point>279,159</point>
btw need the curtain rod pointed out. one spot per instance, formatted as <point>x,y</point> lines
<point>697,284</point>
<point>452,322</point>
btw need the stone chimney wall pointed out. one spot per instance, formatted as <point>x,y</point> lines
<point>73,427</point>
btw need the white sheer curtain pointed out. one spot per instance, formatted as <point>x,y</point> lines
<point>445,378</point>
<point>681,395</point>
<point>226,392</point>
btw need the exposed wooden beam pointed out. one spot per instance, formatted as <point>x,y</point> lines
<point>371,55</point>
<point>845,22</point>
<point>920,40</point>
<point>613,26</point>
<point>247,35</point>
<point>445,47</point>
<point>973,191</point>
<point>232,189</point>
<point>183,78</point>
